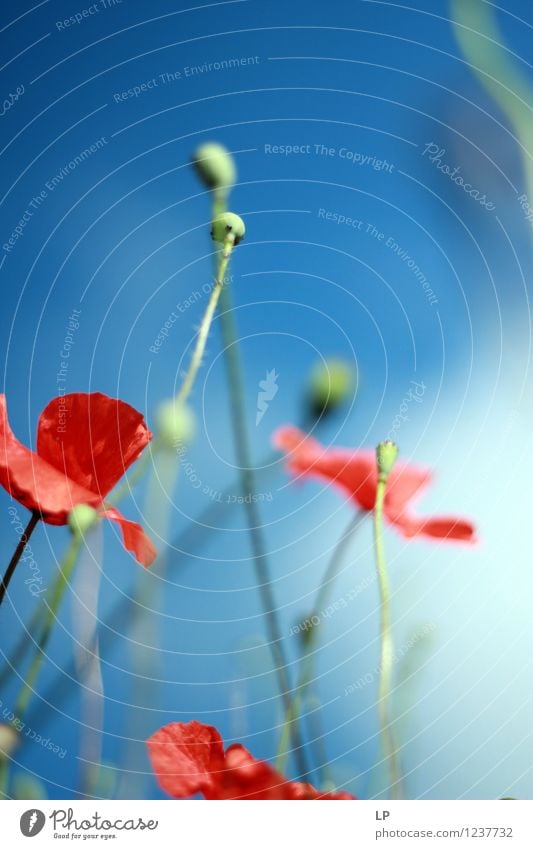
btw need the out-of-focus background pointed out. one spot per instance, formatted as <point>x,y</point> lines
<point>351,124</point>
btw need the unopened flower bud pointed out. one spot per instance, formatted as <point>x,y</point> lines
<point>386,454</point>
<point>226,223</point>
<point>214,165</point>
<point>176,423</point>
<point>81,519</point>
<point>9,740</point>
<point>331,382</point>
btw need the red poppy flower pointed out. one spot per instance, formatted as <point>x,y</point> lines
<point>189,758</point>
<point>85,443</point>
<point>356,473</point>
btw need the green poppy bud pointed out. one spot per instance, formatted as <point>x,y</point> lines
<point>386,454</point>
<point>214,165</point>
<point>225,224</point>
<point>9,740</point>
<point>176,424</point>
<point>81,519</point>
<point>331,382</point>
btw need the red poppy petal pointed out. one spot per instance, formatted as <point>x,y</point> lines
<point>404,483</point>
<point>353,471</point>
<point>442,527</point>
<point>33,482</point>
<point>246,778</point>
<point>185,757</point>
<point>91,438</point>
<point>135,538</point>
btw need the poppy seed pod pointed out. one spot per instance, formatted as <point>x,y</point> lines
<point>330,383</point>
<point>176,423</point>
<point>81,519</point>
<point>214,165</point>
<point>226,223</point>
<point>386,454</point>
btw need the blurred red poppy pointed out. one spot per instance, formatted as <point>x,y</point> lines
<point>189,758</point>
<point>356,473</point>
<point>85,443</point>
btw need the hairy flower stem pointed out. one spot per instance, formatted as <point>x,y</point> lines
<point>247,483</point>
<point>10,571</point>
<point>386,646</point>
<point>306,673</point>
<point>52,603</point>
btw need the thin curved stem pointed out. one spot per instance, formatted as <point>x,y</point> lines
<point>386,647</point>
<point>66,568</point>
<point>13,563</point>
<point>192,537</point>
<point>306,673</point>
<point>247,483</point>
<point>203,332</point>
<point>188,381</point>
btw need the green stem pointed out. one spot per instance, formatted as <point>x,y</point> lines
<point>142,466</point>
<point>4,777</point>
<point>61,582</point>
<point>138,472</point>
<point>386,646</point>
<point>247,483</point>
<point>306,673</point>
<point>475,26</point>
<point>207,320</point>
<point>13,563</point>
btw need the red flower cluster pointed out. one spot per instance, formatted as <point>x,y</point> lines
<point>189,758</point>
<point>85,443</point>
<point>356,473</point>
